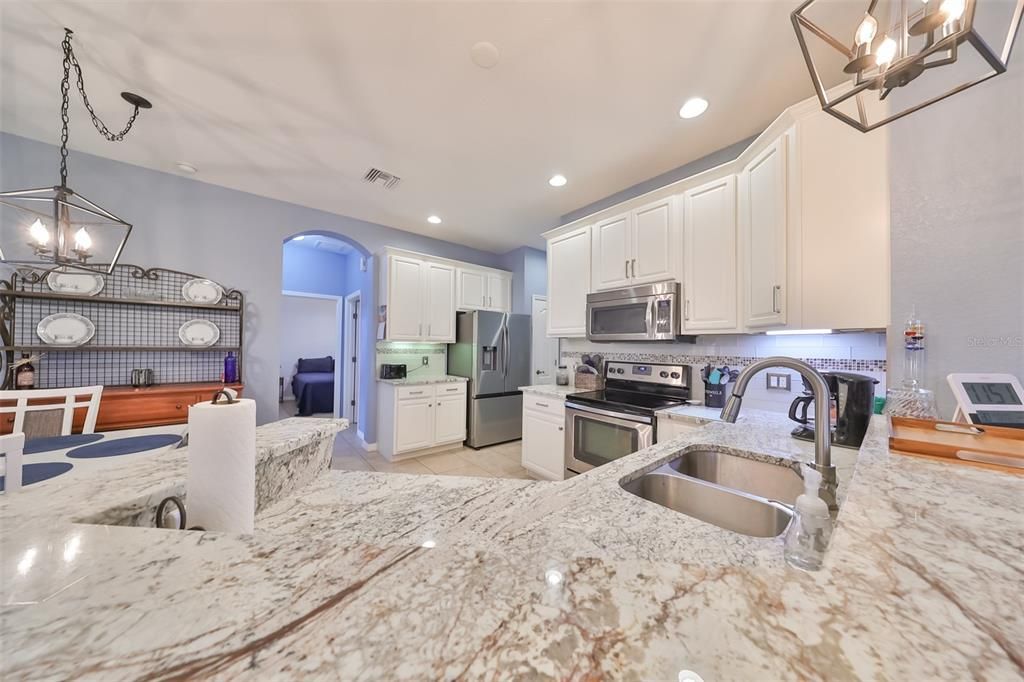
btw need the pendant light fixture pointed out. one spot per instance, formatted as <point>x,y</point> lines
<point>869,66</point>
<point>54,227</point>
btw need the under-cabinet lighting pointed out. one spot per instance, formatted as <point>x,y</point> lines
<point>794,332</point>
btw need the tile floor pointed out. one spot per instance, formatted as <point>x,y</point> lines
<point>498,461</point>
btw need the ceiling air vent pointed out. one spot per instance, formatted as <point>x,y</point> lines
<point>377,176</point>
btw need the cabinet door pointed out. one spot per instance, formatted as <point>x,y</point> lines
<point>709,231</point>
<point>544,445</point>
<point>414,424</point>
<point>450,419</point>
<point>472,290</point>
<point>763,236</point>
<point>568,283</point>
<point>405,299</point>
<point>439,313</point>
<point>654,246</point>
<point>499,293</point>
<point>612,253</point>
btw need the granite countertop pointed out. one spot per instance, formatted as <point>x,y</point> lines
<point>423,381</point>
<point>550,390</point>
<point>496,578</point>
<point>700,413</point>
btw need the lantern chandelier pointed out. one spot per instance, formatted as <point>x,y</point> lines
<point>54,227</point>
<point>857,64</point>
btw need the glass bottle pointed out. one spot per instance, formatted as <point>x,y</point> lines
<point>230,368</point>
<point>25,374</point>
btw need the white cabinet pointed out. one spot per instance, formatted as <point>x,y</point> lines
<point>544,436</point>
<point>569,257</point>
<point>763,221</point>
<point>637,247</point>
<point>709,233</point>
<point>439,312</point>
<point>405,299</point>
<point>417,417</point>
<point>484,290</point>
<point>420,297</point>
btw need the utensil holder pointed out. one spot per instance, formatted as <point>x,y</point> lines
<point>715,395</point>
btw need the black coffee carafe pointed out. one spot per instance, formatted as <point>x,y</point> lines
<point>852,398</point>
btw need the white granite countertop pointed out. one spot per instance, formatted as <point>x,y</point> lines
<point>392,576</point>
<point>550,390</point>
<point>701,414</point>
<point>423,381</point>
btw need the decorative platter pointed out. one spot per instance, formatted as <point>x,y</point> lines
<point>202,291</point>
<point>65,329</point>
<point>75,283</point>
<point>199,333</point>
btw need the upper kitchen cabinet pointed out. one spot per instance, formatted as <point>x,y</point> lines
<point>637,247</point>
<point>710,257</point>
<point>763,195</point>
<point>422,292</point>
<point>568,282</point>
<point>484,289</point>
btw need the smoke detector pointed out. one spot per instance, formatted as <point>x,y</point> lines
<point>377,176</point>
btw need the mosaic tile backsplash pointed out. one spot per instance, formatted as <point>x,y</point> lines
<point>411,355</point>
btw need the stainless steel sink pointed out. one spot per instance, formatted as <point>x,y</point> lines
<point>738,494</point>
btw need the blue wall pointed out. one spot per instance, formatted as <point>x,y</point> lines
<point>529,276</point>
<point>313,271</point>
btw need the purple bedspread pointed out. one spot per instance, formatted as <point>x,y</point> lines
<point>314,392</point>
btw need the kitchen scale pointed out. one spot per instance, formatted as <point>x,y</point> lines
<point>988,399</point>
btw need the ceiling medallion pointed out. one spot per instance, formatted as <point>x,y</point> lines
<point>55,227</point>
<point>857,61</point>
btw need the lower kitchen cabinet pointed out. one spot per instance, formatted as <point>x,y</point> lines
<point>420,417</point>
<point>544,436</point>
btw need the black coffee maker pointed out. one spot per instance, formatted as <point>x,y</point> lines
<point>852,401</point>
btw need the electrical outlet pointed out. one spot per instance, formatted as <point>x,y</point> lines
<point>426,359</point>
<point>777,381</point>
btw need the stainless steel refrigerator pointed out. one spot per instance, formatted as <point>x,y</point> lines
<point>493,351</point>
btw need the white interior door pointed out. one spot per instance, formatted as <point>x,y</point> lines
<point>543,350</point>
<point>350,359</point>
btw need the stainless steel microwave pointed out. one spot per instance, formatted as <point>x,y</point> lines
<point>645,313</point>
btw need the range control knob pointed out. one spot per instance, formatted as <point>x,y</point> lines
<point>675,375</point>
<point>620,370</point>
<point>664,375</point>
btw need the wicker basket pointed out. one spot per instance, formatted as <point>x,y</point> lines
<point>589,382</point>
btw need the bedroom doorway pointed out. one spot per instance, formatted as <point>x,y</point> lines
<point>350,381</point>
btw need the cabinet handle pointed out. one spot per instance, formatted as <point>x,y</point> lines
<point>686,309</point>
<point>415,392</point>
<point>561,428</point>
<point>178,406</point>
<point>428,329</point>
<point>627,268</point>
<point>632,267</point>
<point>542,405</point>
<point>775,298</point>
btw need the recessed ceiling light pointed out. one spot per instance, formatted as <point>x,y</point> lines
<point>693,107</point>
<point>299,238</point>
<point>433,220</point>
<point>186,168</point>
<point>485,55</point>
<point>557,180</point>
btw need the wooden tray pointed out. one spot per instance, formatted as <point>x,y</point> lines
<point>988,447</point>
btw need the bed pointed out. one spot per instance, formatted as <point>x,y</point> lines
<point>313,386</point>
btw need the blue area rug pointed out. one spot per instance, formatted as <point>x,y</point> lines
<point>40,471</point>
<point>37,445</point>
<point>124,446</point>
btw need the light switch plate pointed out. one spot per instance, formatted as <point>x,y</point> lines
<point>426,359</point>
<point>777,381</point>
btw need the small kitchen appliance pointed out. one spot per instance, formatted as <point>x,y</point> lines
<point>392,371</point>
<point>602,426</point>
<point>852,404</point>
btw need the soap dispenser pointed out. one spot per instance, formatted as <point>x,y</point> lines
<point>811,528</point>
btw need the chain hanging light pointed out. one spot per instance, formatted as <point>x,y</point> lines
<point>923,50</point>
<point>54,227</point>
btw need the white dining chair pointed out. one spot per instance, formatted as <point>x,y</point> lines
<point>11,447</point>
<point>39,413</point>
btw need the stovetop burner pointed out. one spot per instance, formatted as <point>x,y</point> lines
<point>628,401</point>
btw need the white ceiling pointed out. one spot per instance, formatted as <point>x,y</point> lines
<point>323,244</point>
<point>296,100</point>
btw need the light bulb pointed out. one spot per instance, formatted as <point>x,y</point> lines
<point>953,9</point>
<point>39,232</point>
<point>82,240</point>
<point>866,31</point>
<point>886,52</point>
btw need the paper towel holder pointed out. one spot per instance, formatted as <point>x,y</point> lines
<point>231,400</point>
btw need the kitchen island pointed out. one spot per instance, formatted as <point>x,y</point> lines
<point>390,576</point>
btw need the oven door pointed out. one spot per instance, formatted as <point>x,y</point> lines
<point>641,318</point>
<point>594,437</point>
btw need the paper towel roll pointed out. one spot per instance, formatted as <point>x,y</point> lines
<point>222,466</point>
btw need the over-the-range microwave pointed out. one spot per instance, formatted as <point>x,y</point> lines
<point>645,313</point>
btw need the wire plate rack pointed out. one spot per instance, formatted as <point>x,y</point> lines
<point>137,316</point>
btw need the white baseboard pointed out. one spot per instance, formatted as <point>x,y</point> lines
<point>369,447</point>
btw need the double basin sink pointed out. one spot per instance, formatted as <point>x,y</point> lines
<point>741,495</point>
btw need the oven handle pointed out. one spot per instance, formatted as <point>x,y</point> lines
<point>622,418</point>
